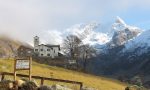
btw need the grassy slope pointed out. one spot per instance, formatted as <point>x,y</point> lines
<point>100,83</point>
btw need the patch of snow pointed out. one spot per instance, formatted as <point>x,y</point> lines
<point>119,24</point>
<point>142,42</point>
<point>88,35</point>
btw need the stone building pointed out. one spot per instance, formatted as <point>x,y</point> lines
<point>24,51</point>
<point>42,50</point>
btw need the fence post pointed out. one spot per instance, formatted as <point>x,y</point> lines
<point>81,85</point>
<point>42,81</point>
<point>3,76</point>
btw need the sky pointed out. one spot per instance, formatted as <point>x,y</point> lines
<point>23,19</point>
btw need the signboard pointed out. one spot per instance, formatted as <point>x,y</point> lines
<point>23,64</point>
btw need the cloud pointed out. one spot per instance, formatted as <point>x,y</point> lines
<point>52,37</point>
<point>23,19</point>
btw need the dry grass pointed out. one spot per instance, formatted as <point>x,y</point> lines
<point>99,83</point>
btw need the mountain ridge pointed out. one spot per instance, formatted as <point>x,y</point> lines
<point>126,58</point>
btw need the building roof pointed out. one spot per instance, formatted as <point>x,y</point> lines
<point>50,46</point>
<point>25,45</point>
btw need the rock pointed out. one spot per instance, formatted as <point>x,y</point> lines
<point>20,82</point>
<point>44,88</point>
<point>88,88</point>
<point>6,85</point>
<point>26,85</point>
<point>135,87</point>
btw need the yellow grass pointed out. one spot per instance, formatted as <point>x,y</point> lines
<point>100,83</point>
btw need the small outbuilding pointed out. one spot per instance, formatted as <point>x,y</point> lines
<point>25,50</point>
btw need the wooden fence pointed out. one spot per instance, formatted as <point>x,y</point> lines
<point>3,74</point>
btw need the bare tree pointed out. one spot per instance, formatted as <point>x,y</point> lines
<point>71,46</point>
<point>87,52</point>
<point>76,50</point>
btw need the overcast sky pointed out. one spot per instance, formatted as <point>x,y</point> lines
<point>24,19</point>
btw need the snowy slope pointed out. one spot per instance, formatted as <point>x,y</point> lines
<point>88,33</point>
<point>141,42</point>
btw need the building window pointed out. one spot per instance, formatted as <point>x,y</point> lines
<point>41,49</point>
<point>48,49</point>
<point>48,54</point>
<point>36,49</point>
<point>41,54</point>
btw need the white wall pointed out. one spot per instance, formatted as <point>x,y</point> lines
<point>53,51</point>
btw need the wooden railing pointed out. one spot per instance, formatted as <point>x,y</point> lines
<point>3,74</point>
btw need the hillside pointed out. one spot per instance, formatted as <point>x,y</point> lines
<point>9,46</point>
<point>99,83</point>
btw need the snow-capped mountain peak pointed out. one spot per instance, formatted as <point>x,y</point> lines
<point>119,24</point>
<point>120,21</point>
<point>123,32</point>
